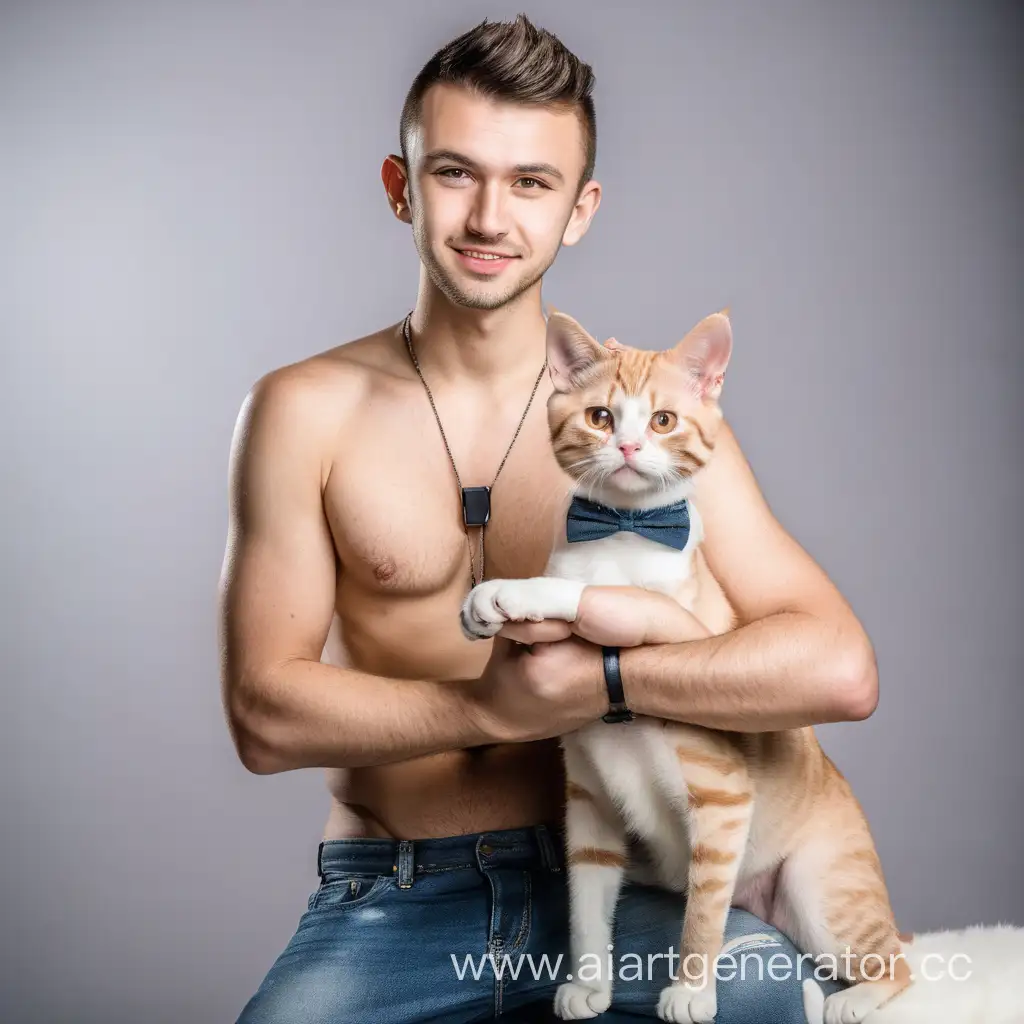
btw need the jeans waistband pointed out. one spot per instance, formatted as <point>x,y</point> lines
<point>539,847</point>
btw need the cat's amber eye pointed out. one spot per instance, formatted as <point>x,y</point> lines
<point>663,422</point>
<point>598,417</point>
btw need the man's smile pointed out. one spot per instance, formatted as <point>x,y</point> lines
<point>482,261</point>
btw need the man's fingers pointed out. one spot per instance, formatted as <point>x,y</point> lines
<point>545,631</point>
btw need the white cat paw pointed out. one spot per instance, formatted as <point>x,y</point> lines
<point>574,1001</point>
<point>852,1005</point>
<point>682,1005</point>
<point>491,604</point>
<point>480,616</point>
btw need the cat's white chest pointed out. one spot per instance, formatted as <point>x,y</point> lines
<point>627,560</point>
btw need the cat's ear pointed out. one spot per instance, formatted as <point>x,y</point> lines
<point>704,354</point>
<point>571,350</point>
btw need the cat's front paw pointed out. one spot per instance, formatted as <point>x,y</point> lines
<point>574,1001</point>
<point>491,604</point>
<point>483,614</point>
<point>681,1004</point>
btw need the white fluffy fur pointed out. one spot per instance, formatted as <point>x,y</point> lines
<point>992,994</point>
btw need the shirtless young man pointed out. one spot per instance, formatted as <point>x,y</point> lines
<point>441,754</point>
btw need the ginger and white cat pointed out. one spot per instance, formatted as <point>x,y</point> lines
<point>763,821</point>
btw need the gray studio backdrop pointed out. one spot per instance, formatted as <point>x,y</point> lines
<point>189,197</point>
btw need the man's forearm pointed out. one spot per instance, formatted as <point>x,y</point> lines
<point>305,714</point>
<point>785,671</point>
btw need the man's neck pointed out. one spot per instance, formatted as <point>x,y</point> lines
<point>454,343</point>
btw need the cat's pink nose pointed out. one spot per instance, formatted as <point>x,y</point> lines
<point>629,450</point>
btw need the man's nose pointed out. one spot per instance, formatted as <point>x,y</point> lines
<point>487,216</point>
<point>629,449</point>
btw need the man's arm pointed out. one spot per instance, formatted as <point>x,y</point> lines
<point>286,709</point>
<point>798,657</point>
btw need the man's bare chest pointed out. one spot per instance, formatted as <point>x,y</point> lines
<point>395,511</point>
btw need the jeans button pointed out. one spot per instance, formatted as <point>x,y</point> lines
<point>486,849</point>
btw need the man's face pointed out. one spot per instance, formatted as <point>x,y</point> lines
<point>494,177</point>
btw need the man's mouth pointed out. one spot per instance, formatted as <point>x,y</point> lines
<point>479,261</point>
<point>478,254</point>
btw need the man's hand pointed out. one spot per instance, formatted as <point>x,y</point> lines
<point>617,617</point>
<point>631,616</point>
<point>533,693</point>
<point>544,632</point>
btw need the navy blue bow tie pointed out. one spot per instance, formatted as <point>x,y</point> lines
<point>669,524</point>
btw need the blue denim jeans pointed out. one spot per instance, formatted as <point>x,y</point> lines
<point>398,933</point>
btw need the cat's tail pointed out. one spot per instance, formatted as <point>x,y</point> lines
<point>814,1002</point>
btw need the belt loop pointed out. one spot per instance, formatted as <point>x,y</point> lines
<point>549,858</point>
<point>405,863</point>
<point>320,860</point>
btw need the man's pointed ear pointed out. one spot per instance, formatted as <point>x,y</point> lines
<point>571,350</point>
<point>704,354</point>
<point>396,186</point>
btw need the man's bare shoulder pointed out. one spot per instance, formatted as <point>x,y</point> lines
<point>330,384</point>
<point>310,401</point>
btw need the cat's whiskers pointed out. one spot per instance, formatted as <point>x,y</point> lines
<point>576,465</point>
<point>582,483</point>
<point>668,477</point>
<point>588,462</point>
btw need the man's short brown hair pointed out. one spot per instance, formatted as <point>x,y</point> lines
<point>513,61</point>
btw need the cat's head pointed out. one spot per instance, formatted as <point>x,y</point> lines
<point>633,426</point>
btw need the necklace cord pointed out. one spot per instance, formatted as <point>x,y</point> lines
<point>407,333</point>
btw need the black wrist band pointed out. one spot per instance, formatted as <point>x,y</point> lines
<point>617,710</point>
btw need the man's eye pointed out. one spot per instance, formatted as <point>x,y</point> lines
<point>448,172</point>
<point>536,181</point>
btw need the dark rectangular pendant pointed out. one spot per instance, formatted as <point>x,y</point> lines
<point>476,505</point>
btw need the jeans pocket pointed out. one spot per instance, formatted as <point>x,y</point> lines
<point>345,891</point>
